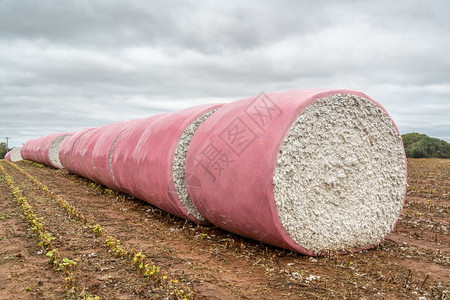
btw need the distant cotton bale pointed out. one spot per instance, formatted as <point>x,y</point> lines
<point>15,154</point>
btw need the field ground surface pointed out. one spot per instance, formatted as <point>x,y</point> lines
<point>206,262</point>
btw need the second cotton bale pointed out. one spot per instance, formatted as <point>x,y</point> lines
<point>153,168</point>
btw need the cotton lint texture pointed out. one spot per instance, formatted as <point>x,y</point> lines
<point>340,177</point>
<point>179,163</point>
<point>53,151</point>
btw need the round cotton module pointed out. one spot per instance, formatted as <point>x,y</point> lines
<point>313,171</point>
<point>38,149</point>
<point>15,154</point>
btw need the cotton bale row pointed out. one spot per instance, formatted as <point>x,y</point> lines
<point>313,171</point>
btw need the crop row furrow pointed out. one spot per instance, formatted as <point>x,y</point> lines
<point>45,238</point>
<point>147,268</point>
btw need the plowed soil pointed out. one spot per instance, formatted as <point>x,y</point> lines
<point>413,262</point>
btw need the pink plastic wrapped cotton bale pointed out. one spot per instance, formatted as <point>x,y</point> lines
<point>313,171</point>
<point>67,149</point>
<point>122,165</point>
<point>149,158</point>
<point>34,150</point>
<point>15,155</point>
<point>51,148</point>
<point>28,150</point>
<point>93,153</point>
<point>81,153</point>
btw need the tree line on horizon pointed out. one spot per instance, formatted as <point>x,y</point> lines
<point>419,145</point>
<point>3,150</point>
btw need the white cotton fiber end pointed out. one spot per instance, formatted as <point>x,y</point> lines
<point>340,176</point>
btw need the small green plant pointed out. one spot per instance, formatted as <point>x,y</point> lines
<point>95,186</point>
<point>85,296</point>
<point>46,239</point>
<point>67,263</point>
<point>4,216</point>
<point>110,193</point>
<point>150,270</point>
<point>139,259</point>
<point>97,229</point>
<point>54,256</point>
<point>34,163</point>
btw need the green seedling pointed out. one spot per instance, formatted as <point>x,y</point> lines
<point>110,193</point>
<point>95,186</point>
<point>67,263</point>
<point>84,296</point>
<point>4,216</point>
<point>97,229</point>
<point>150,270</point>
<point>138,259</point>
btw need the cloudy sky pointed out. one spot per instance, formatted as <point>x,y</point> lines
<point>66,65</point>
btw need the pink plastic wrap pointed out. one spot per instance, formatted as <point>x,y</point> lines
<point>93,152</point>
<point>127,142</point>
<point>144,154</point>
<point>35,149</point>
<point>231,160</point>
<point>81,153</point>
<point>67,149</point>
<point>8,156</point>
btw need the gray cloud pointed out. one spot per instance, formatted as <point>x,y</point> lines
<point>69,65</point>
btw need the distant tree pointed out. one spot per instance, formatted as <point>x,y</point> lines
<point>3,150</point>
<point>422,146</point>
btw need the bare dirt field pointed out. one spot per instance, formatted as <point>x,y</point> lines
<point>206,262</point>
